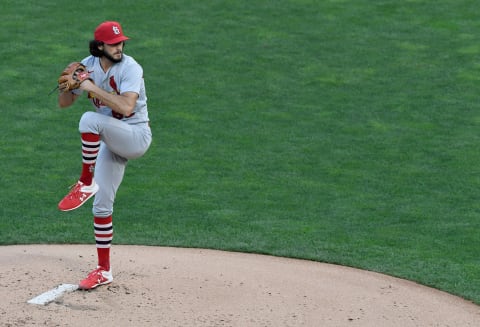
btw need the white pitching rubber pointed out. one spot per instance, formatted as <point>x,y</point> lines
<point>53,294</point>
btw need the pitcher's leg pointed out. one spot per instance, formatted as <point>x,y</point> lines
<point>109,172</point>
<point>127,141</point>
<point>85,187</point>
<point>101,275</point>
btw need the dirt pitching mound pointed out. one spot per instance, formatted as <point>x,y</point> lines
<point>157,286</point>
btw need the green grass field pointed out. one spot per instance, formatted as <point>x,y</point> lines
<point>339,131</point>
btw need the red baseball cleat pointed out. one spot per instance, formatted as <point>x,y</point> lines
<point>77,196</point>
<point>96,278</point>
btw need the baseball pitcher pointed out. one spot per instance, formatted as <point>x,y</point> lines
<point>116,131</point>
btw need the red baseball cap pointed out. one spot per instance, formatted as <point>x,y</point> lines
<point>109,33</point>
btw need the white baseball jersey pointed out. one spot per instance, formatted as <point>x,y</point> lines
<point>125,76</point>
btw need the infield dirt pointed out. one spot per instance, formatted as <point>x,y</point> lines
<point>159,286</point>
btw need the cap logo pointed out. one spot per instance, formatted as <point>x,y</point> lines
<point>116,30</point>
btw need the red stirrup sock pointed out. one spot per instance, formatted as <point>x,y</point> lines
<point>103,238</point>
<point>90,147</point>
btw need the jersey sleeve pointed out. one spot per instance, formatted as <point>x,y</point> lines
<point>132,79</point>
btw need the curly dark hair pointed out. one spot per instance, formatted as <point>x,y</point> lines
<point>94,50</point>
